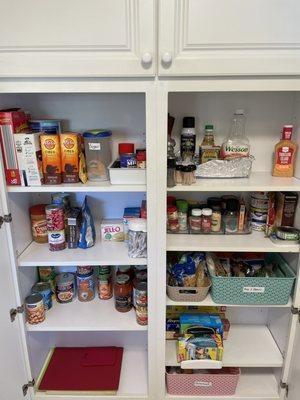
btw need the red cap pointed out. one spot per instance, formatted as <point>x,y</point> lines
<point>38,209</point>
<point>126,148</point>
<point>171,209</point>
<point>287,132</point>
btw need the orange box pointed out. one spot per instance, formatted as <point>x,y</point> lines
<point>69,146</point>
<point>50,146</point>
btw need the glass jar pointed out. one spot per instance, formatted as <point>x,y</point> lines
<point>172,219</point>
<point>39,223</point>
<point>216,219</point>
<point>137,238</point>
<point>231,217</point>
<point>171,173</point>
<point>182,207</point>
<point>195,220</point>
<point>123,293</point>
<point>206,220</point>
<point>86,287</point>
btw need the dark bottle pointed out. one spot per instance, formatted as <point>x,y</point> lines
<point>188,139</point>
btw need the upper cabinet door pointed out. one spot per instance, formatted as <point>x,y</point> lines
<point>67,38</point>
<point>229,37</point>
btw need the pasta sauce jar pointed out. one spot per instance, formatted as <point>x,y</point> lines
<point>123,293</point>
<point>39,223</point>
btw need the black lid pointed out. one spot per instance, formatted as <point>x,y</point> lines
<point>186,168</point>
<point>171,163</point>
<point>232,204</point>
<point>214,201</point>
<point>215,207</point>
<point>178,167</point>
<point>188,122</point>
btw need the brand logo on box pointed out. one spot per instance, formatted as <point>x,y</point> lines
<point>49,144</point>
<point>112,229</point>
<point>69,143</point>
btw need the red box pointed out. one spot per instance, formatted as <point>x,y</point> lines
<point>11,121</point>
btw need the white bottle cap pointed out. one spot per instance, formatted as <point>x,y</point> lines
<point>196,212</point>
<point>138,225</point>
<point>207,212</point>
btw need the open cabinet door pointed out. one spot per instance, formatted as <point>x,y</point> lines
<point>13,368</point>
<point>294,379</point>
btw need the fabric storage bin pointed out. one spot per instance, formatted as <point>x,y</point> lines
<point>177,293</point>
<point>256,290</point>
<point>126,176</point>
<point>221,382</point>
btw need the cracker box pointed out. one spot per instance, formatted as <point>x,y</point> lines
<point>201,323</point>
<point>112,230</point>
<point>12,121</point>
<point>205,347</point>
<point>29,157</point>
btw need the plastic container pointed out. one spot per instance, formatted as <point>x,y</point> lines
<point>256,290</point>
<point>137,238</point>
<point>39,223</point>
<point>195,220</point>
<point>126,176</point>
<point>221,382</point>
<point>97,153</point>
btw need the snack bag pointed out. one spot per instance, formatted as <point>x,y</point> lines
<point>87,235</point>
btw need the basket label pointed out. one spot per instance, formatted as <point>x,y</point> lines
<point>202,384</point>
<point>254,289</point>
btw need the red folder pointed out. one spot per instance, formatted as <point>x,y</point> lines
<point>78,369</point>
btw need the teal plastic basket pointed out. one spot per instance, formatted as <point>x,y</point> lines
<point>256,291</point>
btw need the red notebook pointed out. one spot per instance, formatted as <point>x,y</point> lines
<point>87,369</point>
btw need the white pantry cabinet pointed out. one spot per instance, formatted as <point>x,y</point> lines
<point>66,38</point>
<point>229,37</point>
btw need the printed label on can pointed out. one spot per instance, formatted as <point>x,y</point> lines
<point>253,289</point>
<point>39,228</point>
<point>56,237</point>
<point>123,302</point>
<point>95,146</point>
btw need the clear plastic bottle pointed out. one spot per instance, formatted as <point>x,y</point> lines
<point>236,144</point>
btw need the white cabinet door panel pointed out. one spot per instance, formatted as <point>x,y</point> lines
<point>54,38</point>
<point>229,37</point>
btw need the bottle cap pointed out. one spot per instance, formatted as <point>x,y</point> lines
<point>171,163</point>
<point>188,122</point>
<point>171,209</point>
<point>232,204</point>
<point>287,132</point>
<point>196,212</point>
<point>38,209</point>
<point>126,148</point>
<point>182,205</point>
<point>207,212</point>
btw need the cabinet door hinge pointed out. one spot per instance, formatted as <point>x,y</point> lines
<point>285,386</point>
<point>5,218</point>
<point>14,311</point>
<point>27,386</point>
<point>295,311</point>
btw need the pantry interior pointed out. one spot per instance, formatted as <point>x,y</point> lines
<point>262,338</point>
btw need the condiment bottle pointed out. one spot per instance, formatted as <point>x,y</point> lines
<point>216,219</point>
<point>123,293</point>
<point>182,207</point>
<point>206,220</point>
<point>209,139</point>
<point>285,153</point>
<point>188,139</point>
<point>195,220</point>
<point>231,216</point>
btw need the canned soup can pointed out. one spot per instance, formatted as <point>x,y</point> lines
<point>44,288</point>
<point>35,310</point>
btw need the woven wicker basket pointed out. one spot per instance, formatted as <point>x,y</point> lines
<point>188,293</point>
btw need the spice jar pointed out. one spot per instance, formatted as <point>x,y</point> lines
<point>105,283</point>
<point>195,220</point>
<point>231,216</point>
<point>55,227</point>
<point>206,220</point>
<point>216,219</point>
<point>172,219</point>
<point>137,238</point>
<point>182,207</point>
<point>141,158</point>
<point>178,174</point>
<point>85,287</point>
<point>123,293</point>
<point>171,173</point>
<point>188,174</point>
<point>39,223</point>
<point>35,310</point>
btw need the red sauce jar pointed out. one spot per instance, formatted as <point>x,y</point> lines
<point>123,293</point>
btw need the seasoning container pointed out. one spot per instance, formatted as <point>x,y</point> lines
<point>123,293</point>
<point>141,158</point>
<point>39,223</point>
<point>195,220</point>
<point>55,227</point>
<point>65,287</point>
<point>172,219</point>
<point>86,287</point>
<point>171,173</point>
<point>35,310</point>
<point>44,289</point>
<point>188,174</point>
<point>188,139</point>
<point>206,220</point>
<point>182,207</point>
<point>231,217</point>
<point>178,174</point>
<point>104,283</point>
<point>128,160</point>
<point>137,238</point>
<point>224,201</point>
<point>216,219</point>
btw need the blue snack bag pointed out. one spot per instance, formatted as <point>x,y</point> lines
<point>87,235</point>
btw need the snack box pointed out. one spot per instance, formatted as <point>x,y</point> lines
<point>12,121</point>
<point>205,347</point>
<point>198,324</point>
<point>286,204</point>
<point>129,213</point>
<point>112,230</point>
<point>29,158</point>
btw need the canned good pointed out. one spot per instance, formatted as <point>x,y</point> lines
<point>141,315</point>
<point>140,294</point>
<point>35,310</point>
<point>260,195</point>
<point>65,287</point>
<point>128,160</point>
<point>61,199</point>
<point>260,204</point>
<point>258,226</point>
<point>84,270</point>
<point>287,233</point>
<point>85,287</point>
<point>55,227</point>
<point>44,289</point>
<point>258,216</point>
<point>105,291</point>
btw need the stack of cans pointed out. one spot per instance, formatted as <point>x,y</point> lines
<point>259,210</point>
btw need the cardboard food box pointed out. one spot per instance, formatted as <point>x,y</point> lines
<point>69,146</point>
<point>50,145</point>
<point>205,347</point>
<point>29,157</point>
<point>112,230</point>
<point>286,204</point>
<point>12,121</point>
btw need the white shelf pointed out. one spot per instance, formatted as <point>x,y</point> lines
<point>253,384</point>
<point>254,241</point>
<point>209,302</point>
<point>258,181</point>
<point>89,187</point>
<point>96,315</point>
<point>246,346</point>
<point>133,381</point>
<point>103,253</point>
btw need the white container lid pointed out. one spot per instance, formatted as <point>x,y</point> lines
<point>207,212</point>
<point>138,225</point>
<point>196,212</point>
